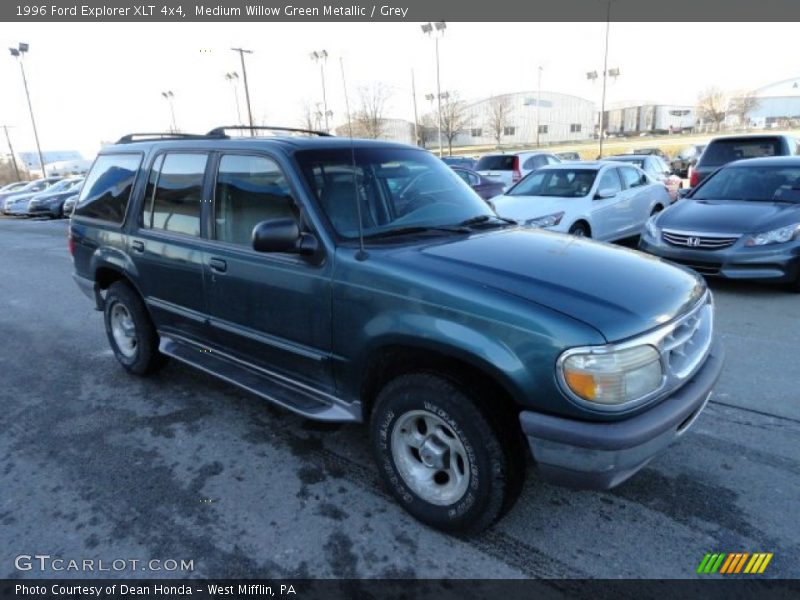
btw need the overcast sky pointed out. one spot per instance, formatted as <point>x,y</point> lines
<point>92,82</point>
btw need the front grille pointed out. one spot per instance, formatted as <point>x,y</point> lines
<point>701,241</point>
<point>703,268</point>
<point>685,347</point>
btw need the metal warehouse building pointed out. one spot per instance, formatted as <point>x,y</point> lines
<point>633,119</point>
<point>561,118</point>
<point>778,104</point>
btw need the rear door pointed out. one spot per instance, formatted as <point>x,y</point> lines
<point>269,309</point>
<point>639,193</point>
<point>166,246</point>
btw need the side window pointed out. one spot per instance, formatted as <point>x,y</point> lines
<point>610,181</point>
<point>535,162</point>
<point>107,188</point>
<point>176,187</point>
<point>464,175</point>
<point>631,177</point>
<point>473,179</point>
<point>249,189</point>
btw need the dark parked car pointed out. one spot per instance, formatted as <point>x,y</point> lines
<point>50,203</point>
<point>485,187</point>
<point>460,161</point>
<point>16,203</point>
<point>722,150</point>
<point>364,281</point>
<point>685,159</point>
<point>742,222</point>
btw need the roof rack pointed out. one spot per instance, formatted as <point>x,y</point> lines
<point>138,137</point>
<point>220,131</point>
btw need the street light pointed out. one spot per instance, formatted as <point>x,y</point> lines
<point>169,96</point>
<point>242,52</point>
<point>592,76</point>
<point>321,57</point>
<point>428,29</point>
<point>233,77</point>
<point>19,53</point>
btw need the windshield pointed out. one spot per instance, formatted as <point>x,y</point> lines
<point>14,186</point>
<point>397,189</point>
<point>721,152</point>
<point>687,152</point>
<point>564,183</point>
<point>767,184</point>
<point>64,184</point>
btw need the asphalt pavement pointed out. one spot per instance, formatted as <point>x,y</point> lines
<point>96,464</point>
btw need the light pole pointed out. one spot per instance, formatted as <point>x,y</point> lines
<point>321,57</point>
<point>436,30</point>
<point>19,53</point>
<point>592,76</point>
<point>538,105</point>
<point>233,77</point>
<point>11,151</point>
<point>242,52</point>
<point>169,96</point>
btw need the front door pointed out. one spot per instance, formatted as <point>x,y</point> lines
<point>270,309</point>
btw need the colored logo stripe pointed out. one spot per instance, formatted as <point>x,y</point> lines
<point>734,562</point>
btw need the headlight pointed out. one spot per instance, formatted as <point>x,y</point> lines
<point>546,221</point>
<point>776,236</point>
<point>608,378</point>
<point>650,227</point>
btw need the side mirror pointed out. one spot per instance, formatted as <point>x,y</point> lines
<point>282,235</point>
<point>605,193</point>
<point>683,192</point>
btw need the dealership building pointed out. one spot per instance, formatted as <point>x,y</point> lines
<point>777,104</point>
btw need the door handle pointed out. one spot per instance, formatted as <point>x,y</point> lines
<point>137,245</point>
<point>218,265</point>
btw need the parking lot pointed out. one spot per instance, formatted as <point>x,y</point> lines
<point>98,464</point>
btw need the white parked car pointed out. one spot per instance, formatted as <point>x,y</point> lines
<point>603,200</point>
<point>510,168</point>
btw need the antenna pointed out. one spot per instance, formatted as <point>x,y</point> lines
<point>361,254</point>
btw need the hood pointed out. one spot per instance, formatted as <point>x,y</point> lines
<point>728,216</point>
<point>617,291</point>
<point>53,196</point>
<point>524,208</point>
<point>19,197</point>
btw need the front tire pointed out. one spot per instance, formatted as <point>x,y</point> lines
<point>130,331</point>
<point>440,456</point>
<point>579,229</point>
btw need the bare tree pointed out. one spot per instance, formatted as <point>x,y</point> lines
<point>711,106</point>
<point>499,116</point>
<point>743,105</point>
<point>369,118</point>
<point>427,129</point>
<point>307,119</point>
<point>454,118</point>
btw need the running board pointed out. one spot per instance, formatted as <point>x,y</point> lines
<point>289,394</point>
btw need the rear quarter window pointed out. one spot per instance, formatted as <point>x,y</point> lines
<point>107,189</point>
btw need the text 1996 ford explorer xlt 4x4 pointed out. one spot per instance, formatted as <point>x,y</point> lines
<point>365,281</point>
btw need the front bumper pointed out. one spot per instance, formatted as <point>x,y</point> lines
<point>779,262</point>
<point>593,455</point>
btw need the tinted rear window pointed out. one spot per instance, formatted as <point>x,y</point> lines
<point>496,163</point>
<point>721,152</point>
<point>107,189</point>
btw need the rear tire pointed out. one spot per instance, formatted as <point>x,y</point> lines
<point>580,229</point>
<point>130,331</point>
<point>441,457</point>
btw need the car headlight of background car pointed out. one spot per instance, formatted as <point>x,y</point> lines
<point>775,236</point>
<point>651,228</point>
<point>546,221</point>
<point>606,377</point>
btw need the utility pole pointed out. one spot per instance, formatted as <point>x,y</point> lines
<point>242,52</point>
<point>605,78</point>
<point>11,150</point>
<point>416,119</point>
<point>321,57</point>
<point>436,30</point>
<point>233,77</point>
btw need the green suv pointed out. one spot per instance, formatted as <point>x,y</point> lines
<point>354,280</point>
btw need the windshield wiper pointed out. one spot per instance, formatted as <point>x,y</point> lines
<point>480,219</point>
<point>412,230</point>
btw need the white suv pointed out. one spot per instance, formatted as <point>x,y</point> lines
<point>510,168</point>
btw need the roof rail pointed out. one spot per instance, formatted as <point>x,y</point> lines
<point>138,137</point>
<point>220,131</point>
